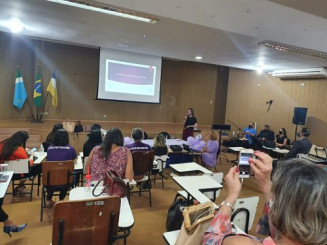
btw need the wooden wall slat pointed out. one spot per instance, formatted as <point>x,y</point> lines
<point>246,101</point>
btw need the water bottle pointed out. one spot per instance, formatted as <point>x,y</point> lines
<point>88,178</point>
<point>41,149</point>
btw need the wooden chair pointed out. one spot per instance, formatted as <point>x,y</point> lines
<point>58,173</point>
<point>21,166</point>
<point>93,221</point>
<point>142,165</point>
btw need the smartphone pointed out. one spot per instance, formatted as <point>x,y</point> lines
<point>30,152</point>
<point>243,162</point>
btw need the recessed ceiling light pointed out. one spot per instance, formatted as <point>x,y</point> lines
<point>108,10</point>
<point>144,35</point>
<point>123,45</point>
<point>14,25</point>
<point>198,57</point>
<point>259,69</point>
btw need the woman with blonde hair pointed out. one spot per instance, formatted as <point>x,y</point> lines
<point>209,157</point>
<point>295,209</point>
<point>159,145</point>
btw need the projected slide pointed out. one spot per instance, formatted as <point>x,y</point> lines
<point>128,76</point>
<point>124,77</point>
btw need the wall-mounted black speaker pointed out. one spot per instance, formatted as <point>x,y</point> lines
<point>300,114</point>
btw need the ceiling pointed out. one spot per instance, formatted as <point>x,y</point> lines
<point>223,32</point>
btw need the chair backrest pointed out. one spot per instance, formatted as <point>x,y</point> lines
<point>161,161</point>
<point>250,204</point>
<point>21,166</point>
<point>93,221</point>
<point>218,177</point>
<point>142,162</point>
<point>57,173</point>
<point>167,136</point>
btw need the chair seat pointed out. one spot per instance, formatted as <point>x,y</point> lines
<point>145,178</point>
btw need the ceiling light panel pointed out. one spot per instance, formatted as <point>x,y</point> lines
<point>293,49</point>
<point>97,7</point>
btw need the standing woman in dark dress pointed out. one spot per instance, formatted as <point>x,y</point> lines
<point>190,123</point>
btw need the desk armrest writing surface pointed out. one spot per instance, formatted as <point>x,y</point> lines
<point>41,156</point>
<point>126,218</point>
<point>194,184</point>
<point>189,167</point>
<point>4,185</point>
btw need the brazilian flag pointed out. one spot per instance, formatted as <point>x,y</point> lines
<point>38,89</point>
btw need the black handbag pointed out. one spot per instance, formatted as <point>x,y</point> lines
<point>175,214</point>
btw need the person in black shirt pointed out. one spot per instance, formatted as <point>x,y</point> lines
<point>93,140</point>
<point>281,139</point>
<point>51,135</point>
<point>190,123</point>
<point>266,134</point>
<point>303,145</point>
<point>78,127</point>
<point>159,145</point>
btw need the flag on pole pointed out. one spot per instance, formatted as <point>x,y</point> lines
<point>52,89</point>
<point>20,95</point>
<point>38,89</point>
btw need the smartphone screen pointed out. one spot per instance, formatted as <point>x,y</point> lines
<point>244,166</point>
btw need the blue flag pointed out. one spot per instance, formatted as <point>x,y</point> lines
<point>20,95</point>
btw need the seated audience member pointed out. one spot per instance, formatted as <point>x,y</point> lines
<point>159,145</point>
<point>209,157</point>
<point>9,225</point>
<point>138,135</point>
<point>78,127</point>
<point>13,148</point>
<point>111,155</point>
<point>249,134</point>
<point>94,139</point>
<point>281,139</point>
<point>295,210</point>
<point>51,135</point>
<point>266,134</point>
<point>303,145</point>
<point>60,151</point>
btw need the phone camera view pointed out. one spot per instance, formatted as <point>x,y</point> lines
<point>244,166</point>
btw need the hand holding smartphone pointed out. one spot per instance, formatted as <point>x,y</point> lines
<point>243,162</point>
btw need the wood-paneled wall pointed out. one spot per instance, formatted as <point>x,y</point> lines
<point>183,85</point>
<point>248,93</point>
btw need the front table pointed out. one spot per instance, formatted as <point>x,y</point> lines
<point>126,218</point>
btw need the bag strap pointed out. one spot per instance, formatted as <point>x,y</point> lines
<point>96,195</point>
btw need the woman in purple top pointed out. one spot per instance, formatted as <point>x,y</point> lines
<point>111,155</point>
<point>60,151</point>
<point>210,156</point>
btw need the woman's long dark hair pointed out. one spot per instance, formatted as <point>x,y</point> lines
<point>113,136</point>
<point>95,137</point>
<point>12,143</point>
<point>61,138</point>
<point>56,127</point>
<point>192,111</point>
<point>284,131</point>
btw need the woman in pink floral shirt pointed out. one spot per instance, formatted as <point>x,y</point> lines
<point>111,155</point>
<point>295,212</point>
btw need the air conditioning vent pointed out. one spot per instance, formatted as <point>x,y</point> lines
<point>310,73</point>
